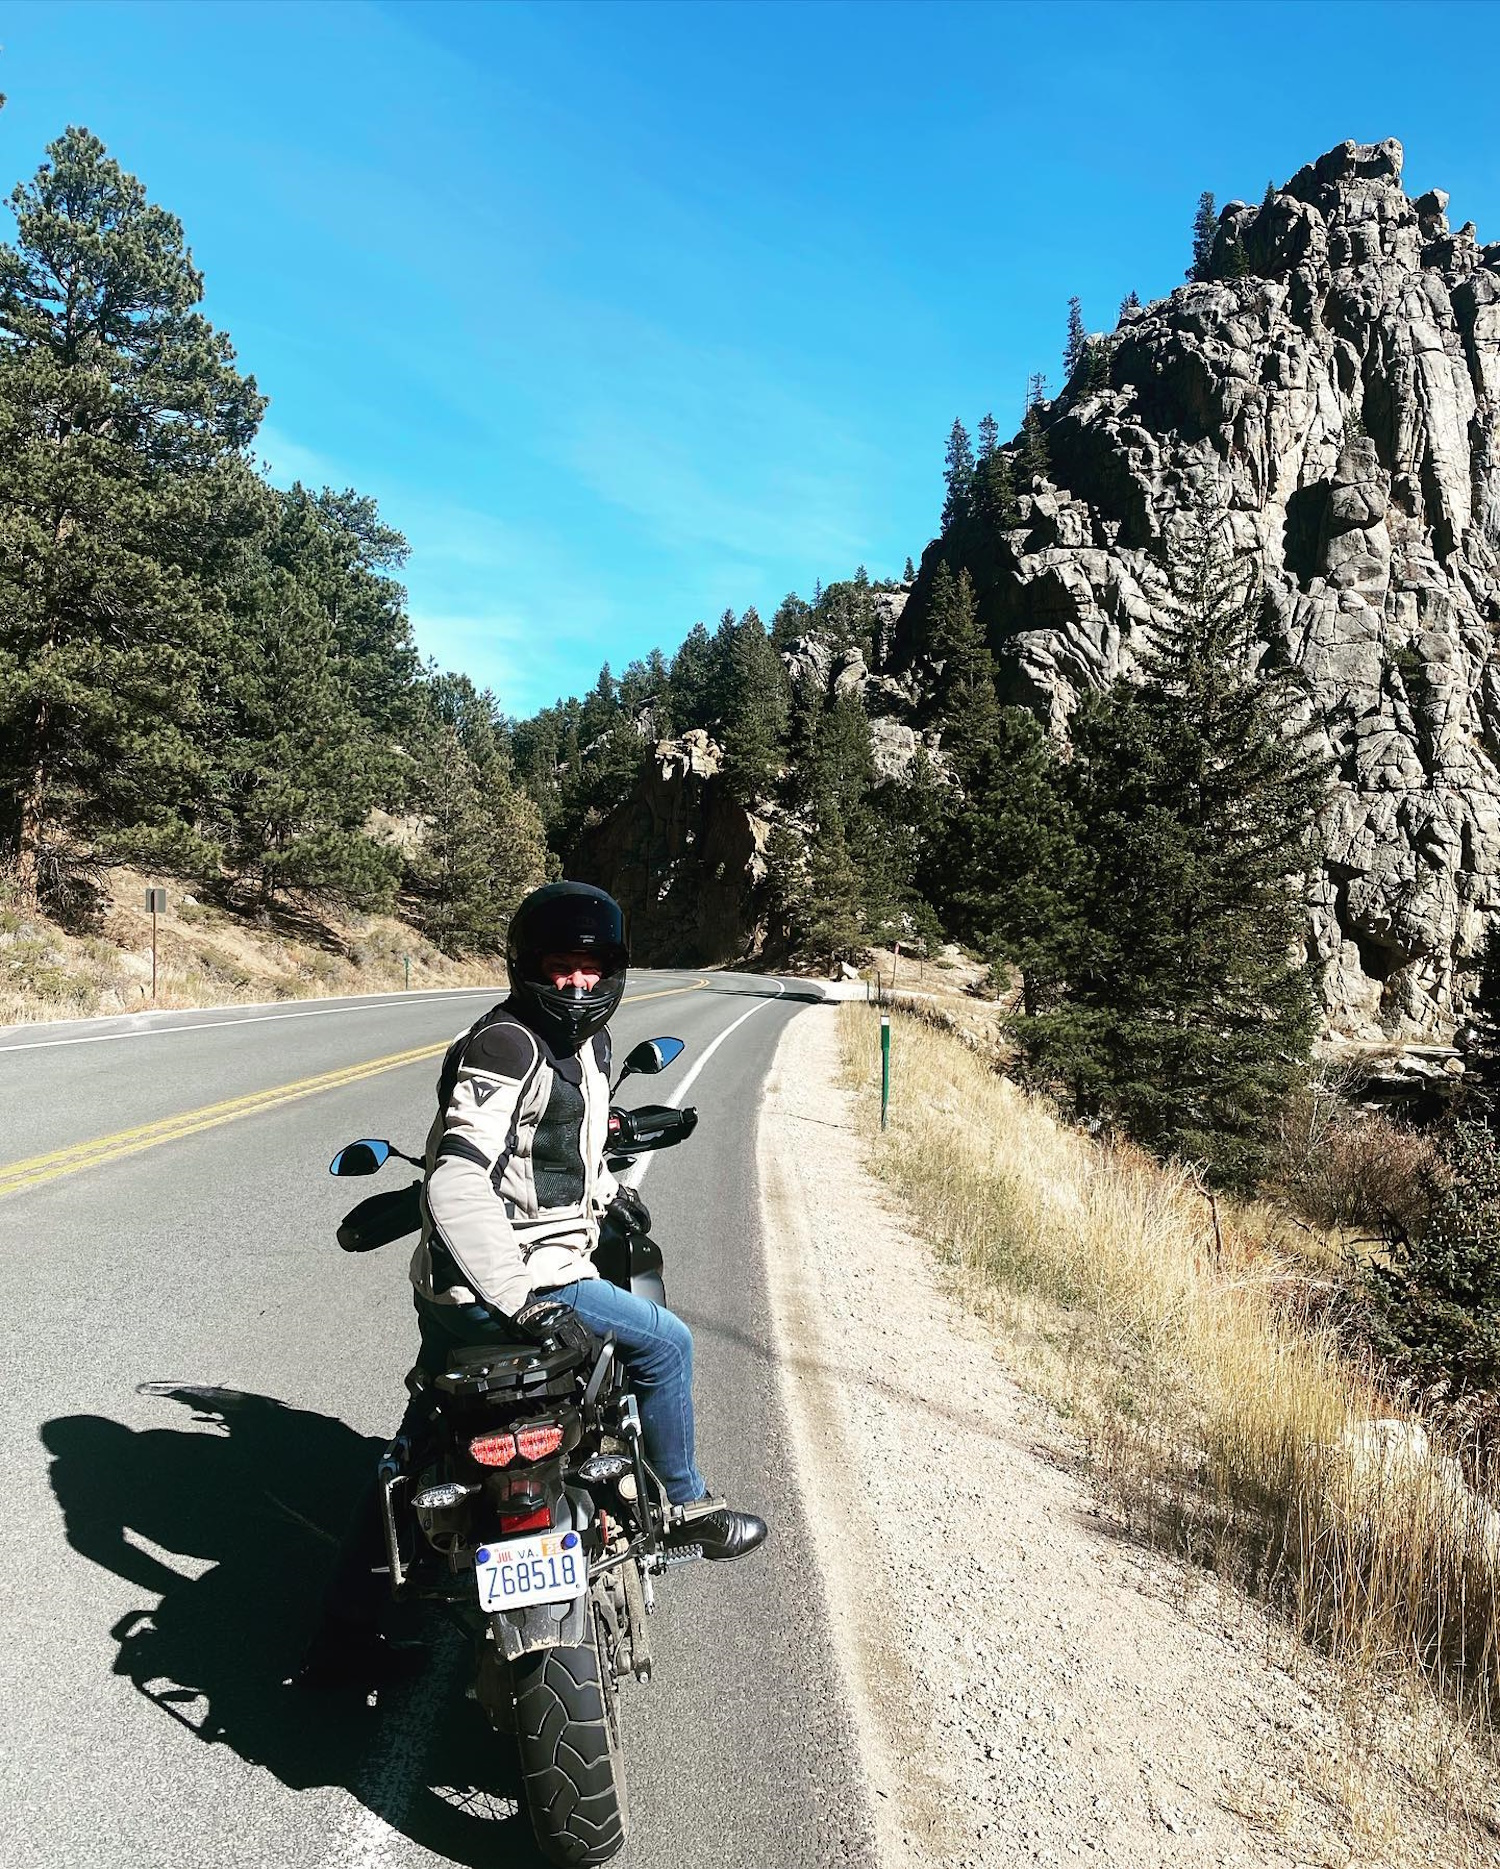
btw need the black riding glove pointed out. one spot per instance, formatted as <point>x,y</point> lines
<point>629,1211</point>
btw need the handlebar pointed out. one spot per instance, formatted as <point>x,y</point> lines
<point>649,1126</point>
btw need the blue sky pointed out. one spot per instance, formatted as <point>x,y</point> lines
<point>627,313</point>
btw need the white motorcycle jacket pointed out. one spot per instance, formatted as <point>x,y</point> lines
<point>516,1180</point>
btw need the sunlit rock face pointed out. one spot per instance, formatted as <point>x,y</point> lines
<point>1342,394</point>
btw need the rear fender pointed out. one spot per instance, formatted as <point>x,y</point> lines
<point>521,1632</point>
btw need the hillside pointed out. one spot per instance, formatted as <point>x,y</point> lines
<point>209,955</point>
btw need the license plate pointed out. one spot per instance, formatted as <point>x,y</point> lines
<point>524,1571</point>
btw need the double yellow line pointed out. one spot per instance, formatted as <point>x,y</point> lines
<point>16,1177</point>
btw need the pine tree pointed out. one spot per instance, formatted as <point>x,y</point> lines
<point>995,492</point>
<point>1205,227</point>
<point>834,928</point>
<point>909,575</point>
<point>298,767</point>
<point>601,709</point>
<point>1036,460</point>
<point>693,673</point>
<point>1096,358</point>
<point>483,846</point>
<point>793,618</point>
<point>841,768</point>
<point>1236,259</point>
<point>1130,303</point>
<point>966,701</point>
<point>755,709</point>
<point>125,490</point>
<point>1078,338</point>
<point>645,697</point>
<point>1189,1008</point>
<point>1010,861</point>
<point>989,438</point>
<point>958,476</point>
<point>610,752</point>
<point>343,554</point>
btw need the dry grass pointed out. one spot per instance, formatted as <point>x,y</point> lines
<point>1222,1417</point>
<point>207,956</point>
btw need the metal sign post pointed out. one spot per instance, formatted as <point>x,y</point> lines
<point>156,903</point>
<point>885,1067</point>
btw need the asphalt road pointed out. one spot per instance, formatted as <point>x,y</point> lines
<point>196,1379</point>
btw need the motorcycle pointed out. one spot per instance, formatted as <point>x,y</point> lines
<point>518,1496</point>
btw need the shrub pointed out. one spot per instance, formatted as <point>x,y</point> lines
<point>1436,1298</point>
<point>37,968</point>
<point>1351,1169</point>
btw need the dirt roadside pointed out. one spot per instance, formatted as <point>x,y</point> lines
<point>1028,1685</point>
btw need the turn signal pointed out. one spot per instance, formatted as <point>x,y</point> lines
<point>536,1443</point>
<point>493,1450</point>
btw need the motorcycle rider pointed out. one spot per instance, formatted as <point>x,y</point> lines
<point>515,1189</point>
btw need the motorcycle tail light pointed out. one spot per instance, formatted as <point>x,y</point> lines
<point>537,1442</point>
<point>493,1450</point>
<point>538,1521</point>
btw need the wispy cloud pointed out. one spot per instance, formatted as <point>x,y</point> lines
<point>709,447</point>
<point>286,459</point>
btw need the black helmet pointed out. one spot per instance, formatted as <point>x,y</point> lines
<point>566,918</point>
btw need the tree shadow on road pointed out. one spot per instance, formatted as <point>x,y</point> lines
<point>247,1505</point>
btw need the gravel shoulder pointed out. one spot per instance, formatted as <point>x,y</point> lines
<point>1028,1685</point>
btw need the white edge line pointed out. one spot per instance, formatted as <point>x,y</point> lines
<point>259,1018</point>
<point>636,1173</point>
<point>365,1003</point>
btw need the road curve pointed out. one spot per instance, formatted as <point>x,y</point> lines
<point>197,1379</point>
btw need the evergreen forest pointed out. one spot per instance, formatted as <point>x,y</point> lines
<point>207,676</point>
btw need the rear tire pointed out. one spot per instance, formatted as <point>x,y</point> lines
<point>572,1764</point>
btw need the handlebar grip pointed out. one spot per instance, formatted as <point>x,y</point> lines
<point>650,1126</point>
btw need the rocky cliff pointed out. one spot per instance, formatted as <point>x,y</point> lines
<point>1338,383</point>
<point>683,858</point>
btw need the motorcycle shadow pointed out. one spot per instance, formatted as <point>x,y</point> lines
<point>246,1506</point>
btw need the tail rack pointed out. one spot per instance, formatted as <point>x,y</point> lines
<point>522,1370</point>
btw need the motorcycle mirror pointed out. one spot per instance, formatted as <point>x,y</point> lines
<point>360,1158</point>
<point>652,1055</point>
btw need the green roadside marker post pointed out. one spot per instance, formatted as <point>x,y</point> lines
<point>885,1067</point>
<point>407,959</point>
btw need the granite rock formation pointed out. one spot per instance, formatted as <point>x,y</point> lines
<point>685,860</point>
<point>1337,383</point>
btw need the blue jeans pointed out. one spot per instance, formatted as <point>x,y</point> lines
<point>655,1347</point>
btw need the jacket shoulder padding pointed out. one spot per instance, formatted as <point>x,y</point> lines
<point>502,1049</point>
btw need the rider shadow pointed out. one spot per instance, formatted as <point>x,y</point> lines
<point>252,1499</point>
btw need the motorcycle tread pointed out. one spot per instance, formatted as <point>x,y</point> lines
<point>577,1806</point>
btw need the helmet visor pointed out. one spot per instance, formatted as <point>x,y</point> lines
<point>573,925</point>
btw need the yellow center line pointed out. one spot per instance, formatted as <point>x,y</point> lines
<point>37,1169</point>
